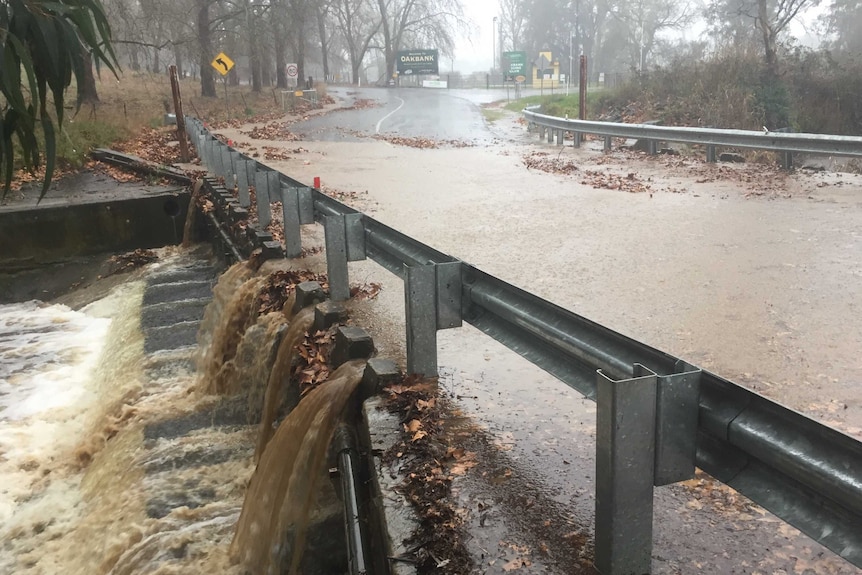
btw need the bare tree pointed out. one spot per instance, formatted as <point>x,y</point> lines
<point>644,19</point>
<point>431,21</point>
<point>770,18</point>
<point>322,12</point>
<point>843,23</point>
<point>514,16</point>
<point>358,22</point>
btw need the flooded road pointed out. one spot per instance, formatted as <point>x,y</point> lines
<point>748,273</point>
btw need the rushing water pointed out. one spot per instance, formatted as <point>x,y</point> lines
<point>112,463</point>
<point>282,493</point>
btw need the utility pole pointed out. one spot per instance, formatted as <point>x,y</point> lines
<point>494,44</point>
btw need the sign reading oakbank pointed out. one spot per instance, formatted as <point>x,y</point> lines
<point>417,62</point>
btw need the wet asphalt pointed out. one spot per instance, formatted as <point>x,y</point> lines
<point>405,112</point>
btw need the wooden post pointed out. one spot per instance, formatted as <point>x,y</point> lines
<point>582,96</point>
<point>178,112</point>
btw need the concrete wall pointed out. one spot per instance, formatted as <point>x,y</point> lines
<point>49,233</point>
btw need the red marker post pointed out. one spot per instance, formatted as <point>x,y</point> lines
<point>317,182</point>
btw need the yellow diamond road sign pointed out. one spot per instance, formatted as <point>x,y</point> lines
<point>222,64</point>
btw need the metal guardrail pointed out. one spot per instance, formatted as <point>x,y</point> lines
<point>786,142</point>
<point>675,415</point>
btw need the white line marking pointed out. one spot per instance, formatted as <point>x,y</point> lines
<point>377,129</point>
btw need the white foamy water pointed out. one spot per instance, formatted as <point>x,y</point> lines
<point>47,352</point>
<point>47,356</point>
<point>51,364</point>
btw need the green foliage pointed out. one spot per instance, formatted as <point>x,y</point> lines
<point>772,103</point>
<point>492,114</point>
<point>825,92</point>
<point>79,137</point>
<point>554,105</point>
<point>815,93</point>
<point>47,40</point>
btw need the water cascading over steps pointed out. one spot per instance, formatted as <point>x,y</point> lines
<point>278,377</point>
<point>272,526</point>
<point>284,495</point>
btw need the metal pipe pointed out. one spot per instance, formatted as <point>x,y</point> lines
<point>225,238</point>
<point>357,542</point>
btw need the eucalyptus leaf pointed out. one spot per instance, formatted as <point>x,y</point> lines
<point>50,41</point>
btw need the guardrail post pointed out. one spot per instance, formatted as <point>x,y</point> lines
<point>261,191</point>
<point>787,159</point>
<point>227,171</point>
<point>251,170</point>
<point>242,183</point>
<point>290,213</point>
<point>625,464</point>
<point>652,147</point>
<point>212,148</point>
<point>577,142</point>
<point>551,135</point>
<point>677,408</point>
<point>561,136</point>
<point>420,293</point>
<point>607,147</point>
<point>235,158</point>
<point>215,158</point>
<point>205,152</point>
<point>336,257</point>
<point>710,154</point>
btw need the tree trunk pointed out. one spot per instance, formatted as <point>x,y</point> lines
<point>178,58</point>
<point>387,40</point>
<point>300,54</point>
<point>156,63</point>
<point>208,89</point>
<point>87,93</point>
<point>324,46</point>
<point>280,52</point>
<point>354,66</point>
<point>769,50</point>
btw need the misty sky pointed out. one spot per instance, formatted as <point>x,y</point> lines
<point>474,53</point>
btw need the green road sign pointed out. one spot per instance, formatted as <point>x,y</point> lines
<point>417,62</point>
<point>514,64</point>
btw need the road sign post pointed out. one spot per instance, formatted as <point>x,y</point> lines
<point>223,64</point>
<point>292,74</point>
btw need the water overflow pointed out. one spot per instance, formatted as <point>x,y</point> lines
<point>157,482</point>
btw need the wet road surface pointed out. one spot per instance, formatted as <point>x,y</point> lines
<point>752,280</point>
<point>411,113</point>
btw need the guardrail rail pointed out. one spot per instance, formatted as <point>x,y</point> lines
<point>787,143</point>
